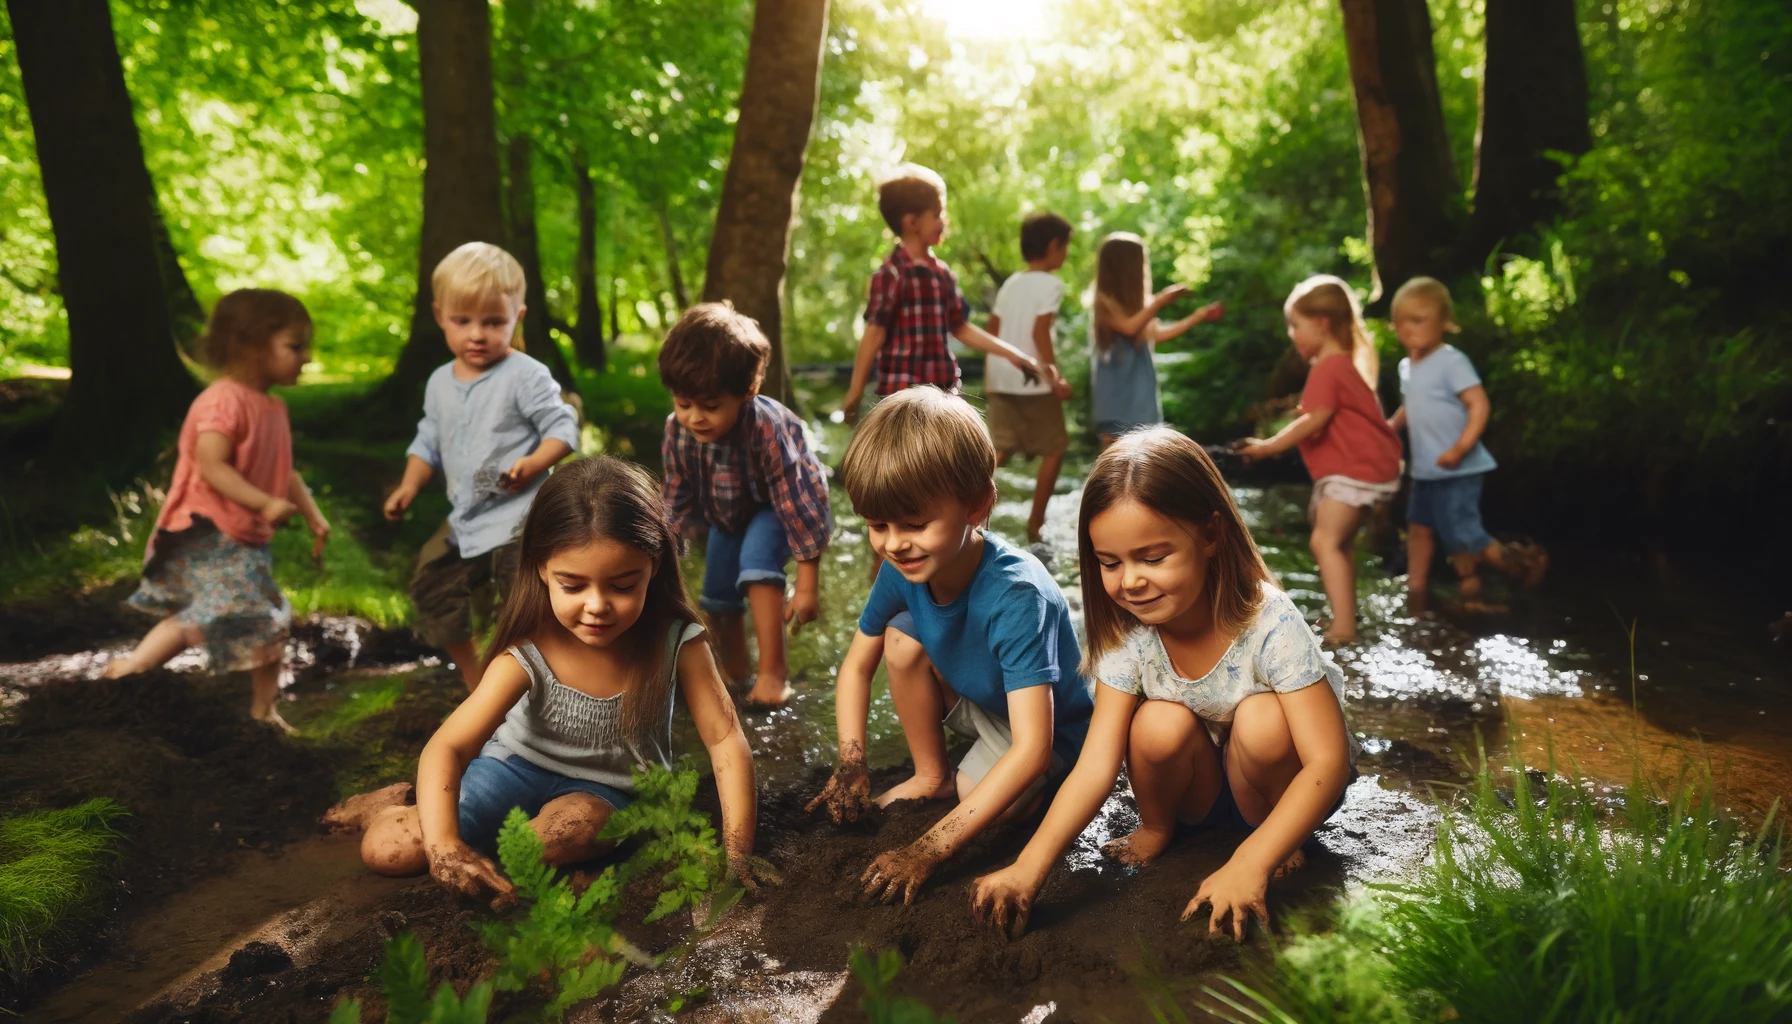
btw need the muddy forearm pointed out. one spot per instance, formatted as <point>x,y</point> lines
<point>438,795</point>
<point>732,760</point>
<point>1007,780</point>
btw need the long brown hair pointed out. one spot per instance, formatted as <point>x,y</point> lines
<point>1172,476</point>
<point>1323,295</point>
<point>608,499</point>
<point>1123,274</point>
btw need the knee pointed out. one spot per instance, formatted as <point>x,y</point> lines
<point>903,653</point>
<point>391,846</point>
<point>569,827</point>
<point>1260,735</point>
<point>1160,730</point>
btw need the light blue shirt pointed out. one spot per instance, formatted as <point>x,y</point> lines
<point>473,431</point>
<point>1009,630</point>
<point>1436,415</point>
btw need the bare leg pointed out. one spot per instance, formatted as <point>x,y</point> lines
<point>393,844</point>
<point>466,658</point>
<point>265,680</point>
<point>772,687</point>
<point>730,629</point>
<point>922,700</point>
<point>356,813</point>
<point>1174,770</point>
<point>1334,531</point>
<point>1421,548</point>
<point>568,826</point>
<point>1049,465</point>
<point>163,641</point>
<point>1261,761</point>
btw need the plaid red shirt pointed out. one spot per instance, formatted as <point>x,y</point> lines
<point>918,304</point>
<point>763,461</point>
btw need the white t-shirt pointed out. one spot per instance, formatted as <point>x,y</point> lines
<point>1024,298</point>
<point>1276,653</point>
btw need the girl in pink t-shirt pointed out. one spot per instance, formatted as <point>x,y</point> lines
<point>1344,437</point>
<point>208,571</point>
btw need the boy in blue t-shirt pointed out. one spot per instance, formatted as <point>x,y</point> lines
<point>1445,409</point>
<point>976,636</point>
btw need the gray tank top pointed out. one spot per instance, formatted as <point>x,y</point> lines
<point>572,733</point>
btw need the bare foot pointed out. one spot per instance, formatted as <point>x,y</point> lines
<point>353,814</point>
<point>117,668</point>
<point>1340,638</point>
<point>272,717</point>
<point>769,693</point>
<point>1295,862</point>
<point>917,788</point>
<point>1138,849</point>
<point>1035,530</point>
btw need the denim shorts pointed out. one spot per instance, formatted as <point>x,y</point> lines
<point>1451,508</point>
<point>498,780</point>
<point>733,561</point>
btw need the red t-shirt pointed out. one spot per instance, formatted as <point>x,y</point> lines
<point>260,449</point>
<point>1357,443</point>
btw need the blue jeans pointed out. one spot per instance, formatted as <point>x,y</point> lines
<point>498,780</point>
<point>733,561</point>
<point>1451,508</point>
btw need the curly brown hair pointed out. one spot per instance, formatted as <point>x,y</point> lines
<point>713,350</point>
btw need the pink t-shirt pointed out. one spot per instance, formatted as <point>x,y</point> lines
<point>1357,443</point>
<point>260,449</point>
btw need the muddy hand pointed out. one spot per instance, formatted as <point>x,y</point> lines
<point>847,796</point>
<point>897,873</point>
<point>467,872</point>
<point>752,872</point>
<point>1002,902</point>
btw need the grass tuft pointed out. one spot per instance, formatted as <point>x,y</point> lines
<point>52,873</point>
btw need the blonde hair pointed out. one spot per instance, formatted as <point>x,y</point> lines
<point>1428,289</point>
<point>910,189</point>
<point>478,270</point>
<point>1324,295</point>
<point>1173,476</point>
<point>917,446</point>
<point>1123,274</point>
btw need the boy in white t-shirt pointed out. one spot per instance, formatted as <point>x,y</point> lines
<point>1027,417</point>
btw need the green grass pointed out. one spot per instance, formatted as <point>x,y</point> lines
<point>1544,904</point>
<point>53,869</point>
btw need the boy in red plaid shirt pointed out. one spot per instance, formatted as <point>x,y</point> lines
<point>738,460</point>
<point>915,304</point>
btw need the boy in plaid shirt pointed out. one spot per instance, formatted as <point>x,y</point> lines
<point>915,303</point>
<point>739,460</point>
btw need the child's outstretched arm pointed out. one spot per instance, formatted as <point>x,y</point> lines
<point>1160,331</point>
<point>848,793</point>
<point>862,362</point>
<point>314,516</point>
<point>1397,422</point>
<point>538,399</point>
<point>1048,357</point>
<point>444,760</point>
<point>901,872</point>
<point>1135,324</point>
<point>712,711</point>
<point>1304,426</point>
<point>212,451</point>
<point>1005,898</point>
<point>1479,409</point>
<point>417,472</point>
<point>1237,889</point>
<point>983,341</point>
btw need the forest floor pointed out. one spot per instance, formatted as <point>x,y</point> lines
<point>234,905</point>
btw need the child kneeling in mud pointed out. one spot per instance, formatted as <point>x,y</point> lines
<point>975,632</point>
<point>1237,726</point>
<point>580,677</point>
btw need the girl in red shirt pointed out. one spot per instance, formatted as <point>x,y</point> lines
<point>1343,436</point>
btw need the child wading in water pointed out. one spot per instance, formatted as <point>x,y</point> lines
<point>1348,447</point>
<point>1123,328</point>
<point>208,570</point>
<point>590,651</point>
<point>1444,411</point>
<point>1241,722</point>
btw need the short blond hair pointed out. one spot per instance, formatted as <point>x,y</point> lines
<point>1431,290</point>
<point>478,271</point>
<point>918,446</point>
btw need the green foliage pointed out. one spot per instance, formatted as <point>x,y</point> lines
<point>404,980</point>
<point>877,974</point>
<point>673,839</point>
<point>1543,904</point>
<point>53,869</point>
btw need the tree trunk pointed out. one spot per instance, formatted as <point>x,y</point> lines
<point>185,314</point>
<point>128,383</point>
<point>461,186</point>
<point>751,242</point>
<point>525,245</point>
<point>1408,176</point>
<point>588,337</point>
<point>674,272</point>
<point>1533,101</point>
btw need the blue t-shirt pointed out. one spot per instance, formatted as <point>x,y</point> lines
<point>1435,414</point>
<point>1009,630</point>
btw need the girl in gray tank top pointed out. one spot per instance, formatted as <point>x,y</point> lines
<point>590,654</point>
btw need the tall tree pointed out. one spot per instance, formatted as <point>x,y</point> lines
<point>127,379</point>
<point>519,187</point>
<point>1408,175</point>
<point>1533,103</point>
<point>588,333</point>
<point>669,238</point>
<point>461,191</point>
<point>751,242</point>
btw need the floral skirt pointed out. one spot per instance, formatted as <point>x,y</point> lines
<point>225,589</point>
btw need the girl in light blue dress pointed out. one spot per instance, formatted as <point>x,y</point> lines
<point>1123,328</point>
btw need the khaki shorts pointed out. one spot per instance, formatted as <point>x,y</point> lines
<point>1026,424</point>
<point>446,586</point>
<point>993,739</point>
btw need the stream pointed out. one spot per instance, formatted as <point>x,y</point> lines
<point>1552,679</point>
